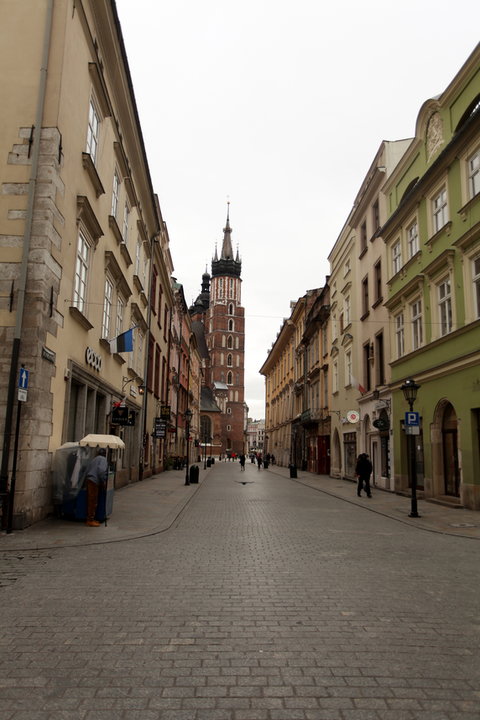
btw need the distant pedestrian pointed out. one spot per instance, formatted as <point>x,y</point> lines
<point>242,462</point>
<point>97,472</point>
<point>259,461</point>
<point>363,470</point>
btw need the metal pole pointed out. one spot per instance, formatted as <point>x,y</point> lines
<point>413,472</point>
<point>13,479</point>
<point>187,479</point>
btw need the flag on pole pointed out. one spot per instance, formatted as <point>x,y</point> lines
<point>122,343</point>
<point>357,385</point>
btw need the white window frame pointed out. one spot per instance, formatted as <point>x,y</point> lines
<point>445,308</point>
<point>416,310</point>
<point>440,209</point>
<point>473,165</point>
<point>476,286</point>
<point>126,219</point>
<point>348,368</point>
<point>107,307</point>
<point>396,257</point>
<point>347,311</point>
<point>82,268</point>
<point>115,193</point>
<point>119,315</point>
<point>93,130</point>
<point>138,256</point>
<point>413,242</point>
<point>400,334</point>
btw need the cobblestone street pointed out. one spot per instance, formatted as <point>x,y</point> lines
<point>265,600</point>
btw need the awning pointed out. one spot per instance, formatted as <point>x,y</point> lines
<point>104,441</point>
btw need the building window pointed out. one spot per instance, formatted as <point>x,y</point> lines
<point>363,237</point>
<point>366,367</point>
<point>346,311</point>
<point>138,256</point>
<point>396,257</point>
<point>365,301</point>
<point>335,377</point>
<point>476,285</point>
<point>412,240</point>
<point>81,273</point>
<point>417,324</point>
<point>93,131</point>
<point>229,378</point>
<point>440,210</point>
<point>375,215</point>
<point>348,367</point>
<point>119,316</point>
<point>346,267</point>
<point>379,359</point>
<point>126,218</point>
<point>400,334</point>
<point>474,174</point>
<point>230,325</point>
<point>107,308</point>
<point>378,281</point>
<point>229,360</point>
<point>445,306</point>
<point>115,193</point>
<point>230,342</point>
<point>230,309</point>
<point>229,411</point>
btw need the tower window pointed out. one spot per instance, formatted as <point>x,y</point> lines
<point>230,325</point>
<point>230,378</point>
<point>230,309</point>
<point>230,342</point>
<point>229,360</point>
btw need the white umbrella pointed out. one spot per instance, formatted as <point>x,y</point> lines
<point>103,441</point>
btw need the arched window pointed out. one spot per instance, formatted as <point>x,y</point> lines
<point>230,309</point>
<point>229,342</point>
<point>205,429</point>
<point>229,360</point>
<point>230,378</point>
<point>230,325</point>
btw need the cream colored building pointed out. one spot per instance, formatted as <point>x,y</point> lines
<point>360,351</point>
<point>79,223</point>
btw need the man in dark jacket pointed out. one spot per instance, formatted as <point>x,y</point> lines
<point>96,477</point>
<point>363,470</point>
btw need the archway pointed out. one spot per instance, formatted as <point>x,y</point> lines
<point>336,460</point>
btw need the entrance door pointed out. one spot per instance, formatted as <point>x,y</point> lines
<point>451,470</point>
<point>324,455</point>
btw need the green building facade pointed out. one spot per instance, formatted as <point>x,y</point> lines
<point>432,239</point>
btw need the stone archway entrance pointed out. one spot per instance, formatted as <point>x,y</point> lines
<point>451,468</point>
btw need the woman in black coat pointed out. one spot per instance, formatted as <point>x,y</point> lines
<point>363,470</point>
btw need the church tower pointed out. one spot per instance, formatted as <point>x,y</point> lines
<point>225,334</point>
<point>218,321</point>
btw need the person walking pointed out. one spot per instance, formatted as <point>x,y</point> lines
<point>259,461</point>
<point>242,461</point>
<point>363,470</point>
<point>97,472</point>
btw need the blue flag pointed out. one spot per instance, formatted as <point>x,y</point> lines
<point>122,343</point>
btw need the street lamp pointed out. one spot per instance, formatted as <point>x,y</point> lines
<point>410,389</point>
<point>188,417</point>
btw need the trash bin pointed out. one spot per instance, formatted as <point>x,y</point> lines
<point>209,462</point>
<point>293,471</point>
<point>266,464</point>
<point>194,474</point>
<point>213,461</point>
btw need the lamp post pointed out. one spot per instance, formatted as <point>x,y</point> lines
<point>188,417</point>
<point>410,389</point>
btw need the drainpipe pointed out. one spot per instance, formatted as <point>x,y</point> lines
<point>22,281</point>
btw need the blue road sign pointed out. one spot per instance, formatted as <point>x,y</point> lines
<point>23,379</point>
<point>412,419</point>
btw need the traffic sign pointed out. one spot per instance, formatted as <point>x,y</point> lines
<point>412,419</point>
<point>23,379</point>
<point>22,395</point>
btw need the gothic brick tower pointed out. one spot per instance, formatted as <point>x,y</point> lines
<point>220,309</point>
<point>226,342</point>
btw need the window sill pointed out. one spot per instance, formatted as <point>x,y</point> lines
<point>92,173</point>
<point>80,317</point>
<point>377,302</point>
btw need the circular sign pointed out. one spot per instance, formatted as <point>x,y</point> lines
<point>353,416</point>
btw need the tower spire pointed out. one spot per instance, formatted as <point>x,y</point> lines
<point>227,252</point>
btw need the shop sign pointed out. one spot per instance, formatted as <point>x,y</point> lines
<point>159,428</point>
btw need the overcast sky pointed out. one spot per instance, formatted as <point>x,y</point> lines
<point>278,106</point>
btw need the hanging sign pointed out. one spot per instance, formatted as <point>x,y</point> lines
<point>353,416</point>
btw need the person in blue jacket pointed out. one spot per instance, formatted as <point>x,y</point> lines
<point>97,472</point>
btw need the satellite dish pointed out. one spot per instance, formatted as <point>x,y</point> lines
<point>353,416</point>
